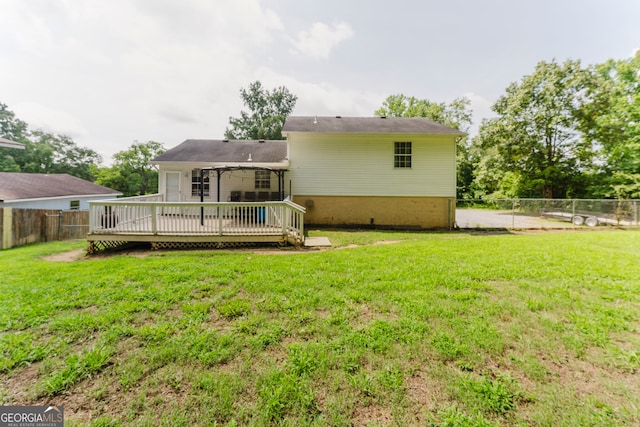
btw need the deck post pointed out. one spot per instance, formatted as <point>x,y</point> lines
<point>154,220</point>
<point>283,221</point>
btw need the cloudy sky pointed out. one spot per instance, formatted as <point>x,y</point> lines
<point>111,72</point>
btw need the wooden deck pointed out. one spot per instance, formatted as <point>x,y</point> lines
<point>165,224</point>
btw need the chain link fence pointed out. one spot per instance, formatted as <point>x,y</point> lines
<point>546,213</point>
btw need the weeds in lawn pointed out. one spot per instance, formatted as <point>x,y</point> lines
<point>438,329</point>
<point>76,368</point>
<point>20,349</point>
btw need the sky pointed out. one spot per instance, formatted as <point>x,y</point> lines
<point>110,73</point>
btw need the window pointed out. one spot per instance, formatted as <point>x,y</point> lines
<point>402,158</point>
<point>74,205</point>
<point>195,182</point>
<point>263,179</point>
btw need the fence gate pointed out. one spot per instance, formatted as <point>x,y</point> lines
<point>24,226</point>
<point>52,222</point>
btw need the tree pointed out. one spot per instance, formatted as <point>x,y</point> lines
<point>456,115</point>
<point>44,152</point>
<point>11,127</point>
<point>268,111</point>
<point>131,172</point>
<point>612,122</point>
<point>535,142</point>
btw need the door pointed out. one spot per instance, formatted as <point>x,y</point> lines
<point>173,186</point>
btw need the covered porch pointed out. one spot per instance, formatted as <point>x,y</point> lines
<point>113,223</point>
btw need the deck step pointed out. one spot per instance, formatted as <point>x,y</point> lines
<point>317,242</point>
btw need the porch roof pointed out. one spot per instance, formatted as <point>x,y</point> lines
<point>229,153</point>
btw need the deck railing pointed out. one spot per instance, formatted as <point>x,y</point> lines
<point>133,217</point>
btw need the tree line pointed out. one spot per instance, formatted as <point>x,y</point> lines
<point>48,153</point>
<point>563,131</point>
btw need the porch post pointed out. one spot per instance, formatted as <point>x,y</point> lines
<point>218,173</point>
<point>201,196</point>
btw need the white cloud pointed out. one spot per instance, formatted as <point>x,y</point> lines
<point>481,108</point>
<point>323,98</point>
<point>150,69</point>
<point>49,119</point>
<point>318,42</point>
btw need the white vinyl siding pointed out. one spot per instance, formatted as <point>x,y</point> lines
<point>237,180</point>
<point>363,165</point>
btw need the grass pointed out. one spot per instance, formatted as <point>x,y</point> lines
<point>437,329</point>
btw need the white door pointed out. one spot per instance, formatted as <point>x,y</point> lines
<point>173,186</point>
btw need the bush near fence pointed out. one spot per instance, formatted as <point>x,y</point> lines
<point>552,213</point>
<point>24,226</point>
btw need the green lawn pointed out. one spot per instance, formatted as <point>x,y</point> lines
<point>446,329</point>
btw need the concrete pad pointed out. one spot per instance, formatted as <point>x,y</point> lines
<point>316,242</point>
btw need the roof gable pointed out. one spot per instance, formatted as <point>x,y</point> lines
<point>19,186</point>
<point>226,151</point>
<point>338,124</point>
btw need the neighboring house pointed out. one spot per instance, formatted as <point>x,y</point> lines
<point>396,172</point>
<point>50,191</point>
<point>390,172</point>
<point>7,143</point>
<point>247,170</point>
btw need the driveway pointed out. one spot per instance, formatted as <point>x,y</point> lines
<point>485,218</point>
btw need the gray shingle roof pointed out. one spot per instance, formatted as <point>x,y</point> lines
<point>222,151</point>
<point>18,186</point>
<point>400,125</point>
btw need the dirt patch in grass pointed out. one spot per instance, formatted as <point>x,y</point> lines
<point>80,254</point>
<point>423,391</point>
<point>69,256</point>
<point>373,414</point>
<point>17,387</point>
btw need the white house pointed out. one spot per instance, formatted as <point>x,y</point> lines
<point>245,170</point>
<point>396,172</point>
<point>388,172</point>
<point>50,191</point>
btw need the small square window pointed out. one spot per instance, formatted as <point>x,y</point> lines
<point>195,183</point>
<point>74,205</point>
<point>402,155</point>
<point>263,179</point>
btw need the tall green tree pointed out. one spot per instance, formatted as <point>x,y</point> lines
<point>131,172</point>
<point>267,112</point>
<point>11,127</point>
<point>456,114</point>
<point>612,123</point>
<point>535,143</point>
<point>44,152</point>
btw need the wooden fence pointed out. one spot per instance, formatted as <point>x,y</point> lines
<point>23,226</point>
